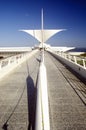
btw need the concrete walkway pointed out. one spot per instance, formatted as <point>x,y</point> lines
<point>17,96</point>
<point>67,111</point>
<point>67,93</point>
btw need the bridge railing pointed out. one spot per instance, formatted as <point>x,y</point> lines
<point>75,63</point>
<point>76,59</point>
<point>10,60</point>
<point>8,64</point>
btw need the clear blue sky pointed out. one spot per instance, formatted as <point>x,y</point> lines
<point>26,14</point>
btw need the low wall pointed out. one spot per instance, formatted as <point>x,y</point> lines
<point>42,107</point>
<point>8,64</point>
<point>74,66</point>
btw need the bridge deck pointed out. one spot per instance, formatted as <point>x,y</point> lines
<point>67,111</point>
<point>18,94</point>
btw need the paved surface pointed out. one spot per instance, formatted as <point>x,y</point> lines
<point>67,111</point>
<point>67,107</point>
<point>17,96</point>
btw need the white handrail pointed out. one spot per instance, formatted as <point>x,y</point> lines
<point>72,58</point>
<point>8,64</point>
<point>72,62</point>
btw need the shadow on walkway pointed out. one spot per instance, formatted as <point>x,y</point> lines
<point>5,126</point>
<point>31,97</point>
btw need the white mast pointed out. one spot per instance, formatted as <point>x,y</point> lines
<point>42,26</point>
<point>42,36</point>
<point>42,19</point>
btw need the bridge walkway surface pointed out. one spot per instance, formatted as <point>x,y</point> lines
<point>67,97</point>
<point>17,96</point>
<point>66,93</point>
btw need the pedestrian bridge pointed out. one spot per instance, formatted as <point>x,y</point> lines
<point>42,91</point>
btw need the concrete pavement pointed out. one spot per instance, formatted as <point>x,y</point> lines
<point>67,111</point>
<point>17,96</point>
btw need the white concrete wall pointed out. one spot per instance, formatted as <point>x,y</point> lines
<point>42,107</point>
<point>76,67</point>
<point>8,64</point>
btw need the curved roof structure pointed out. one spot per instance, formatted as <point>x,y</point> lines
<point>42,35</point>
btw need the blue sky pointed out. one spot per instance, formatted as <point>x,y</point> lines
<point>58,14</point>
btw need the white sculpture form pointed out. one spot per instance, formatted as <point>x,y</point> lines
<point>42,35</point>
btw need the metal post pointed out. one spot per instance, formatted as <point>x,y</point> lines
<point>75,60</point>
<point>83,62</point>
